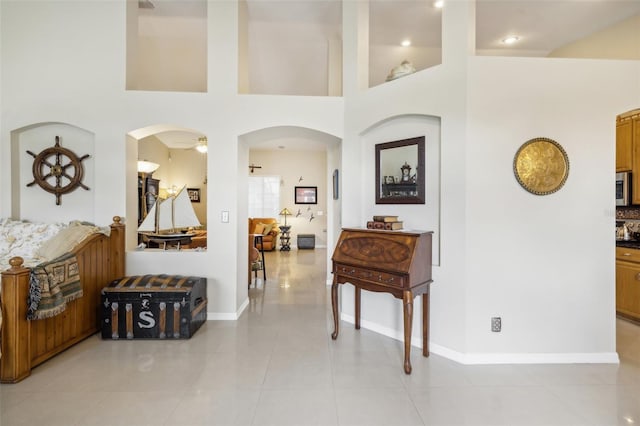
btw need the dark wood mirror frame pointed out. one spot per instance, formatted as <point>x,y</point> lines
<point>408,189</point>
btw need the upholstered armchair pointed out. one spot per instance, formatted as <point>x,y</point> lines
<point>268,228</point>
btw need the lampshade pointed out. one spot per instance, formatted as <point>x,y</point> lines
<point>147,167</point>
<point>285,212</point>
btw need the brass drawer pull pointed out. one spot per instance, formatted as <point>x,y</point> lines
<point>627,254</point>
<point>638,276</point>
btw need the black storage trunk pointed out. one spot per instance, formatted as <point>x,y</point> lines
<point>153,307</point>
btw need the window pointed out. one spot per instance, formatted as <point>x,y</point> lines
<point>264,196</point>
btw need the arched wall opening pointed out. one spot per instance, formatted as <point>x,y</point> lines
<point>380,312</point>
<point>34,203</point>
<point>180,166</point>
<point>300,157</point>
<point>415,216</point>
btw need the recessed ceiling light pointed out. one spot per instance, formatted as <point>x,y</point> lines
<point>510,40</point>
<point>406,43</point>
<point>438,4</point>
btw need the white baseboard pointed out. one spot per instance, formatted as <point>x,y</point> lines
<point>215,316</point>
<point>317,246</point>
<point>493,358</point>
<point>544,358</point>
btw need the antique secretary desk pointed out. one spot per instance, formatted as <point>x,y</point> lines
<point>395,262</point>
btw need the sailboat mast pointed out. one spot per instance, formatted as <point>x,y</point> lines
<point>173,214</point>
<point>157,218</point>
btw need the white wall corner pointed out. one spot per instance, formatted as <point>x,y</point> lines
<point>222,316</point>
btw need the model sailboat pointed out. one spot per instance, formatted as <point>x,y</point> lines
<point>165,219</point>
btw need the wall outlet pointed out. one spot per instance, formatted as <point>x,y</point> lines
<point>496,324</point>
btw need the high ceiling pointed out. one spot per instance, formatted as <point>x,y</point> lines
<point>545,25</point>
<point>542,25</point>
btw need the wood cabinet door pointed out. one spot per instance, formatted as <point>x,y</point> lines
<point>624,146</point>
<point>635,175</point>
<point>628,289</point>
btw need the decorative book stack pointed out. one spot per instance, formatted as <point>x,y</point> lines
<point>389,223</point>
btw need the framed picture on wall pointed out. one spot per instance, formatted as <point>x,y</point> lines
<point>194,194</point>
<point>306,195</point>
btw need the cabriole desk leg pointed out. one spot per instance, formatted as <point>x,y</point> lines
<point>334,307</point>
<point>357,308</point>
<point>407,304</point>
<point>425,322</point>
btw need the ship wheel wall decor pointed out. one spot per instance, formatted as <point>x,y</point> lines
<point>58,170</point>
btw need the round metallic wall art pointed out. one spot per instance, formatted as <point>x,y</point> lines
<point>541,166</point>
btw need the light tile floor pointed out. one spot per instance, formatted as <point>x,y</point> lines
<point>277,365</point>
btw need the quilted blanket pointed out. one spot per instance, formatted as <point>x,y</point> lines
<point>53,284</point>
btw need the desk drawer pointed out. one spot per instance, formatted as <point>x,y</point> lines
<point>375,277</point>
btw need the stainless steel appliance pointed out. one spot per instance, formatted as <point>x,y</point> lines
<point>623,189</point>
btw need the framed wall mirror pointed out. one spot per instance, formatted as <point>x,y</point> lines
<point>400,172</point>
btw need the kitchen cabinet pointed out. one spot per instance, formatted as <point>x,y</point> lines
<point>628,282</point>
<point>628,149</point>
<point>624,145</point>
<point>635,171</point>
<point>628,134</point>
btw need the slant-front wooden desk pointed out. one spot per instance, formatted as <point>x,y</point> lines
<point>396,262</point>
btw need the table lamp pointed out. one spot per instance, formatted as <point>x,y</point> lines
<point>285,212</point>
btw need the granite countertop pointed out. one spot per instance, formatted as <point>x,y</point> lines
<point>634,244</point>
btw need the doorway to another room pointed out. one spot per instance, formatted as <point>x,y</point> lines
<point>291,195</point>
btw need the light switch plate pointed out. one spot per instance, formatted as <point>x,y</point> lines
<point>224,216</point>
<point>496,324</point>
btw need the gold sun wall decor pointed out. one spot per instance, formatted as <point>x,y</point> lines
<point>58,170</point>
<point>541,166</point>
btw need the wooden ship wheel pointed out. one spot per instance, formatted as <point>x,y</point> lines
<point>59,165</point>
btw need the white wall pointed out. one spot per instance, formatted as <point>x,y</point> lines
<point>486,111</point>
<point>545,264</point>
<point>290,58</point>
<point>68,92</point>
<point>441,93</point>
<point>334,202</point>
<point>170,54</point>
<point>500,257</point>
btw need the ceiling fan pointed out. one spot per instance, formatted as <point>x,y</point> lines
<point>145,4</point>
<point>185,142</point>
